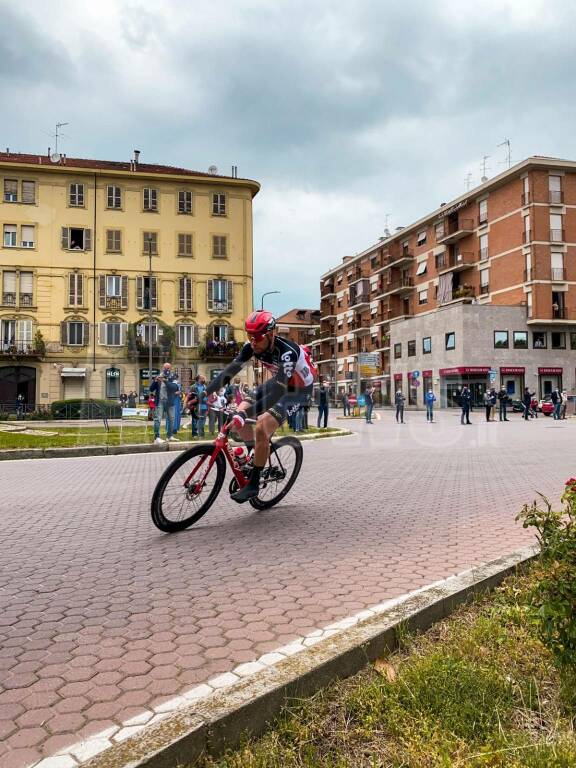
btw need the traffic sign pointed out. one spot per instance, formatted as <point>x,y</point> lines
<point>416,383</point>
<point>415,374</point>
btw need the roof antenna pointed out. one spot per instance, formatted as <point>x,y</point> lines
<point>55,156</point>
<point>506,143</point>
<point>386,230</point>
<point>468,181</point>
<point>484,169</point>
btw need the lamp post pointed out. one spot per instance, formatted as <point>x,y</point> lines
<point>149,242</point>
<point>268,293</point>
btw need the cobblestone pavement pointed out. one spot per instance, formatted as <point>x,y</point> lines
<point>102,617</point>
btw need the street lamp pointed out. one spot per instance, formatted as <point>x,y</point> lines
<point>149,242</point>
<point>268,293</point>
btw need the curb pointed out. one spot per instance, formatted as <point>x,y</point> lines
<point>115,450</point>
<point>220,720</point>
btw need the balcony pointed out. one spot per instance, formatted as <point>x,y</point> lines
<point>555,197</point>
<point>26,300</point>
<point>327,309</point>
<point>113,302</point>
<point>403,257</point>
<point>9,299</point>
<point>484,290</point>
<point>219,351</point>
<point>400,285</point>
<point>456,262</point>
<point>558,313</point>
<point>21,349</point>
<point>456,230</point>
<point>360,326</point>
<point>557,236</point>
<point>327,288</point>
<point>358,300</point>
<point>558,274</point>
<point>397,312</point>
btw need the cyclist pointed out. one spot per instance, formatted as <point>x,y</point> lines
<point>274,400</point>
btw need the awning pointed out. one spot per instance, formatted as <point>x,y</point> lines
<point>70,372</point>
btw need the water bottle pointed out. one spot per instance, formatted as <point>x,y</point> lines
<point>241,456</point>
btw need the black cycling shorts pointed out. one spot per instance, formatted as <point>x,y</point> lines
<point>288,404</point>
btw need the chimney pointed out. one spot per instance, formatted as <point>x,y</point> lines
<point>136,157</point>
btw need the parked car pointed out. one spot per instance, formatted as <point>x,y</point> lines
<point>546,406</point>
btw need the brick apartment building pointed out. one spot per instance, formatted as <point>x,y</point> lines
<point>300,325</point>
<point>480,291</point>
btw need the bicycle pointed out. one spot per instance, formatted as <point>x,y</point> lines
<point>199,473</point>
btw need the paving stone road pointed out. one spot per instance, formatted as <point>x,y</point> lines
<point>103,618</point>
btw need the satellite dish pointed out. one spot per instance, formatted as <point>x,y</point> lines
<point>55,157</point>
<point>213,169</point>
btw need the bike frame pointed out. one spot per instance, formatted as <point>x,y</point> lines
<point>221,444</point>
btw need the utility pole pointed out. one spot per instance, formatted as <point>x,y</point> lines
<point>150,318</point>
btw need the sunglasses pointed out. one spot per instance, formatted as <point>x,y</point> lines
<point>257,339</point>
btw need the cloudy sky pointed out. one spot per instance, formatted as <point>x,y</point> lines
<point>351,115</point>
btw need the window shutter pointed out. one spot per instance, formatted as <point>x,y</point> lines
<point>195,336</point>
<point>102,291</point>
<point>85,334</point>
<point>230,297</point>
<point>210,285</point>
<point>65,238</point>
<point>181,293</point>
<point>10,190</point>
<point>80,289</point>
<point>180,245</point>
<point>80,193</point>
<point>124,290</point>
<point>28,192</point>
<point>64,332</point>
<point>71,289</point>
<point>87,239</point>
<point>117,240</point>
<point>139,292</point>
<point>123,333</point>
<point>102,333</point>
<point>153,294</point>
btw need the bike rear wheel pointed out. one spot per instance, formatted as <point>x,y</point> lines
<point>178,502</point>
<point>280,473</point>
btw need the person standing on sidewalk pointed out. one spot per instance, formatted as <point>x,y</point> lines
<point>399,401</point>
<point>345,403</point>
<point>488,404</point>
<point>164,390</point>
<point>465,398</point>
<point>323,403</point>
<point>527,402</point>
<point>503,401</point>
<point>556,398</point>
<point>430,399</point>
<point>564,404</point>
<point>369,398</point>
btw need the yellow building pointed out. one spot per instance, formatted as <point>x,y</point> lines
<point>79,302</point>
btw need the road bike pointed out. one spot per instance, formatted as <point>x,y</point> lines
<point>191,483</point>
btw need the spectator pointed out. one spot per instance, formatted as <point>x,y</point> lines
<point>132,399</point>
<point>369,399</point>
<point>526,402</point>
<point>164,390</point>
<point>556,398</point>
<point>503,402</point>
<point>345,403</point>
<point>212,403</point>
<point>177,407</point>
<point>465,398</point>
<point>399,400</point>
<point>564,404</point>
<point>493,401</point>
<point>305,410</point>
<point>323,403</point>
<point>430,399</point>
<point>123,399</point>
<point>196,402</point>
<point>534,407</point>
<point>151,406</point>
<point>488,404</point>
<point>20,406</point>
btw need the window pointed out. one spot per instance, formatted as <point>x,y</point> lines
<point>10,190</point>
<point>27,235</point>
<point>527,235</point>
<point>520,340</point>
<point>26,289</point>
<point>113,285</point>
<point>421,239</point>
<point>220,295</point>
<point>397,351</point>
<point>423,297</point>
<point>572,340</point>
<point>218,204</point>
<point>113,291</point>
<point>439,230</point>
<point>500,339</point>
<point>220,332</point>
<point>558,339</point>
<point>16,335</point>
<point>483,211</point>
<point>9,288</point>
<point>557,265</point>
<point>526,192</point>
<point>150,199</point>
<point>147,331</point>
<point>150,243</point>
<point>426,345</point>
<point>483,241</point>
<point>74,333</point>
<point>219,250</point>
<point>185,294</point>
<point>450,340</point>
<point>76,195</point>
<point>76,239</point>
<point>29,192</point>
<point>112,383</point>
<point>529,303</point>
<point>113,197</point>
<point>75,289</point>
<point>184,201</point>
<point>539,340</point>
<point>412,348</point>
<point>556,231</point>
<point>184,244</point>
<point>484,281</point>
<point>421,270</point>
<point>112,334</point>
<point>146,293</point>
<point>113,241</point>
<point>187,335</point>
<point>555,189</point>
<point>10,235</point>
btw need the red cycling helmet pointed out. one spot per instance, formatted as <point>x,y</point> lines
<point>259,323</point>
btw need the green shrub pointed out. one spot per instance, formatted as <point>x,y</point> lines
<point>553,599</point>
<point>85,409</point>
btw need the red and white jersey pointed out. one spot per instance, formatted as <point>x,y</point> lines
<point>290,363</point>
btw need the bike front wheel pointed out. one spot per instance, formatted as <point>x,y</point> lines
<point>280,473</point>
<point>187,489</point>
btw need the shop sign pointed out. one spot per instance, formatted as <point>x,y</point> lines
<point>397,377</point>
<point>465,369</point>
<point>517,370</point>
<point>550,371</point>
<point>112,373</point>
<point>427,374</point>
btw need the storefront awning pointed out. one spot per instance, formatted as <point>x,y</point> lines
<point>479,369</point>
<point>70,372</point>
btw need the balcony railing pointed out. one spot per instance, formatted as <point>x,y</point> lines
<point>557,235</point>
<point>20,349</point>
<point>456,230</point>
<point>327,289</point>
<point>220,350</point>
<point>9,299</point>
<point>455,262</point>
<point>555,196</point>
<point>361,298</point>
<point>558,313</point>
<point>113,302</point>
<point>26,300</point>
<point>558,273</point>
<point>400,284</point>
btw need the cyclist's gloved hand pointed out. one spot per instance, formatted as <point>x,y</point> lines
<point>237,421</point>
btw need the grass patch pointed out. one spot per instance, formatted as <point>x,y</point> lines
<point>71,437</point>
<point>477,690</point>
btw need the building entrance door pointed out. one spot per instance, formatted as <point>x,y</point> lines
<point>477,388</point>
<point>17,380</point>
